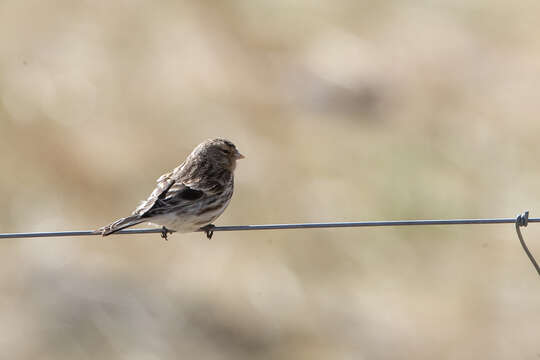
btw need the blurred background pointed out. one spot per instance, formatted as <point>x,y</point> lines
<point>346,110</point>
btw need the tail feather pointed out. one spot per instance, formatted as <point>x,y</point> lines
<point>119,225</point>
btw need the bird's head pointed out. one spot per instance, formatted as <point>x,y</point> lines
<point>220,151</point>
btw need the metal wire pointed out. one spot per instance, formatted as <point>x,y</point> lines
<point>281,227</point>
<point>73,233</point>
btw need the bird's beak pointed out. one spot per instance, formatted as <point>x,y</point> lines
<point>238,156</point>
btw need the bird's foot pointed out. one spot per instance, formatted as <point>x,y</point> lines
<point>165,232</point>
<point>209,230</point>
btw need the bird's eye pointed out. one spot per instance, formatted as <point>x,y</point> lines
<point>225,151</point>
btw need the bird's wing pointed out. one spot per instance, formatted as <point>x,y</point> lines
<point>177,197</point>
<point>172,193</point>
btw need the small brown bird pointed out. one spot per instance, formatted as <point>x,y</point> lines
<point>191,196</point>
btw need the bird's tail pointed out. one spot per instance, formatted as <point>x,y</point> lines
<point>119,225</point>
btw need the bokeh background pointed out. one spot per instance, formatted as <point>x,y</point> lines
<point>346,110</point>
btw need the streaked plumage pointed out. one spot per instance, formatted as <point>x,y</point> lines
<point>192,195</point>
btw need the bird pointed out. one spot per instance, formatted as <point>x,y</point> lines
<point>190,197</point>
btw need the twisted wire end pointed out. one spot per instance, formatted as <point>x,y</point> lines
<point>522,220</point>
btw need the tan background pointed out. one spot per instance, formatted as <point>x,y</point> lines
<point>346,110</point>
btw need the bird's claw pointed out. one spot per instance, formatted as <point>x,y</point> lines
<point>165,232</point>
<point>209,230</point>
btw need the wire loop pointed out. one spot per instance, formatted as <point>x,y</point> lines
<point>523,220</point>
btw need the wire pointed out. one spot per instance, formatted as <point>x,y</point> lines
<point>74,233</point>
<point>279,227</point>
<point>521,220</point>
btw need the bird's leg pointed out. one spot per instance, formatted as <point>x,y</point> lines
<point>165,232</point>
<point>208,229</point>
